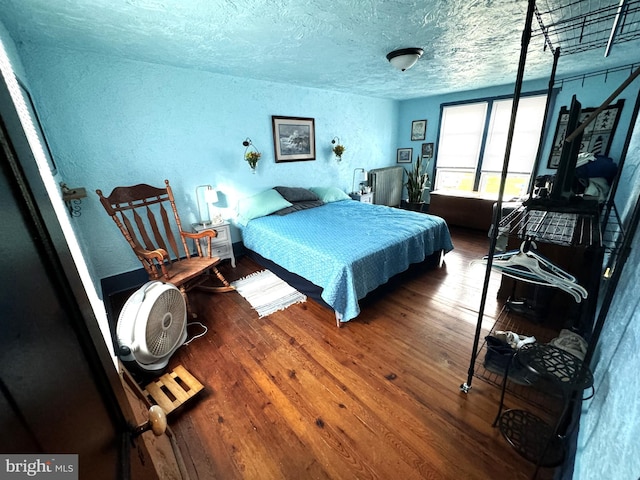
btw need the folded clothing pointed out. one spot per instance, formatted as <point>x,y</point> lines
<point>600,166</point>
<point>513,339</point>
<point>570,342</point>
<point>499,356</point>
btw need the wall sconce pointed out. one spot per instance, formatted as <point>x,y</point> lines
<point>338,149</point>
<point>73,198</point>
<point>405,58</point>
<point>251,154</point>
<point>210,196</point>
<point>362,176</point>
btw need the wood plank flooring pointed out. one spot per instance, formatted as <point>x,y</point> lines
<point>291,396</point>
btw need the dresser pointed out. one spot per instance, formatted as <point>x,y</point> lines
<point>221,245</point>
<point>469,210</point>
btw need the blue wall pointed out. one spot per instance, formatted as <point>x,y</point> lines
<point>10,49</point>
<point>591,92</point>
<point>115,122</point>
<point>608,445</point>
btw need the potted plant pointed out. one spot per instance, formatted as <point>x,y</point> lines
<point>338,150</point>
<point>417,183</point>
<point>252,157</point>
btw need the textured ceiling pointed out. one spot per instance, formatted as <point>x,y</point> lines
<point>328,44</point>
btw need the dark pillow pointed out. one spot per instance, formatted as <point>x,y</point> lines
<point>297,206</point>
<point>297,194</point>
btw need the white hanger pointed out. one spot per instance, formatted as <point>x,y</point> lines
<point>575,290</point>
<point>529,266</point>
<point>544,262</point>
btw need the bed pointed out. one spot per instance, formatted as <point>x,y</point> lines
<point>345,247</point>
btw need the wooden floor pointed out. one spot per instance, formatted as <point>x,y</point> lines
<point>291,396</point>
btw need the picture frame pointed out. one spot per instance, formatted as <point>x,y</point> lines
<point>404,155</point>
<point>294,138</point>
<point>418,130</point>
<point>427,150</point>
<point>596,138</point>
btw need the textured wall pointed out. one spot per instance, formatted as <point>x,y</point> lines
<point>10,49</point>
<point>608,444</point>
<point>116,122</point>
<point>591,93</point>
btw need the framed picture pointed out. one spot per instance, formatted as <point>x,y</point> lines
<point>294,139</point>
<point>418,130</point>
<point>427,150</point>
<point>404,155</point>
<point>596,138</point>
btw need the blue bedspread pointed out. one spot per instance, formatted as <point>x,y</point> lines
<point>348,248</point>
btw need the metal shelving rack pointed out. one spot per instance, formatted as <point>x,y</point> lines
<point>558,228</point>
<point>601,228</point>
<point>577,27</point>
<point>579,230</point>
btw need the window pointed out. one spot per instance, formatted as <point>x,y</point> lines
<point>473,140</point>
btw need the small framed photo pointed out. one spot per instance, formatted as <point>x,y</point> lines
<point>427,150</point>
<point>404,155</point>
<point>418,130</point>
<point>294,139</point>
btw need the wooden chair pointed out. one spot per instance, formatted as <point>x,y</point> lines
<point>135,210</point>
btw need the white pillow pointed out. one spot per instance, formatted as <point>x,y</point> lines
<point>259,205</point>
<point>330,194</point>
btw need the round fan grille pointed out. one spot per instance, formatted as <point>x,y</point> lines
<point>166,323</point>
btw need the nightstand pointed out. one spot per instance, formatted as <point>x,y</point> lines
<point>362,197</point>
<point>221,245</point>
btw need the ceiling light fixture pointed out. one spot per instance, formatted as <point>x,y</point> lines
<point>405,58</point>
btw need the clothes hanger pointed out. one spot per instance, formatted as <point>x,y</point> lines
<point>538,278</point>
<point>528,257</point>
<point>527,265</point>
<point>530,266</point>
<point>528,248</point>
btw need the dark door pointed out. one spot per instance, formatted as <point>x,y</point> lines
<point>58,392</point>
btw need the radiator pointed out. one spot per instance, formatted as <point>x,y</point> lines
<point>386,184</point>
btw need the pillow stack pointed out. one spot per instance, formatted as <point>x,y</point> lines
<point>285,200</point>
<point>300,199</point>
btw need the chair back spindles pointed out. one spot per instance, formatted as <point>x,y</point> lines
<point>148,244</point>
<point>160,242</point>
<point>145,222</point>
<point>169,232</point>
<point>172,202</point>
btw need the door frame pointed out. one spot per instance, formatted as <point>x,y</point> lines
<point>28,188</point>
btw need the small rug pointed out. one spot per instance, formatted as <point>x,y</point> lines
<point>267,293</point>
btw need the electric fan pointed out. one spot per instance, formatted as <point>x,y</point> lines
<point>152,326</point>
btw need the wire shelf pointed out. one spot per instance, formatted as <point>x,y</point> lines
<point>612,231</point>
<point>559,228</point>
<point>539,396</point>
<point>577,27</point>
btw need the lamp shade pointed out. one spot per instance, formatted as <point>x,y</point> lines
<point>210,196</point>
<point>405,58</point>
<point>359,175</point>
